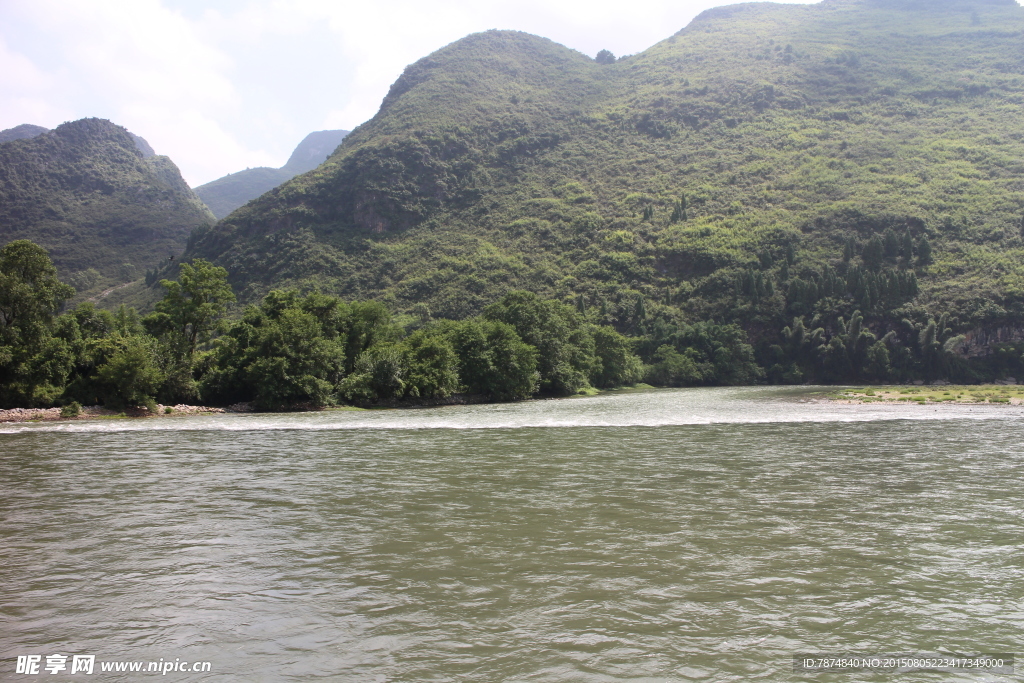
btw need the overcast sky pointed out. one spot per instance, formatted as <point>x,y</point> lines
<point>222,86</point>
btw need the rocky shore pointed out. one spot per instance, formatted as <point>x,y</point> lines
<point>92,412</point>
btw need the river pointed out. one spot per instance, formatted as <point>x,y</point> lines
<point>661,535</point>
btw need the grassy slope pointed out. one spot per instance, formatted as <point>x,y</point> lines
<point>505,160</point>
<point>85,193</point>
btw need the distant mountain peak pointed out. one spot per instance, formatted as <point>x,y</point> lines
<point>22,132</point>
<point>924,5</point>
<point>313,150</point>
<point>142,146</point>
<point>229,192</point>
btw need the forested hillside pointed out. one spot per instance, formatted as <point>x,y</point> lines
<point>226,194</point>
<point>96,197</point>
<point>748,168</point>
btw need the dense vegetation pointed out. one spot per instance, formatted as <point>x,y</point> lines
<point>293,350</point>
<point>856,164</point>
<point>226,194</point>
<point>22,132</point>
<point>98,200</point>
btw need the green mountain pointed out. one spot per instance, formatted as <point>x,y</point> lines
<point>767,161</point>
<point>22,132</point>
<point>96,197</point>
<point>226,194</point>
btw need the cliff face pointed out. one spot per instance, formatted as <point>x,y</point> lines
<point>104,210</point>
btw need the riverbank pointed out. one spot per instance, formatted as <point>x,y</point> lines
<point>949,393</point>
<point>99,412</point>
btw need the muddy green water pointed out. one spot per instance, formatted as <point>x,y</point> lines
<point>670,535</point>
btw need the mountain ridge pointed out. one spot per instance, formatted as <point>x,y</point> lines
<point>104,209</point>
<point>507,161</point>
<point>229,192</point>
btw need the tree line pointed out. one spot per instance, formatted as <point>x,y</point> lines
<point>309,350</point>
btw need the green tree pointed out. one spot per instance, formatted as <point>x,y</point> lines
<point>924,251</point>
<point>679,210</point>
<point>131,376</point>
<point>906,245</point>
<point>493,360</point>
<point>564,343</point>
<point>617,364</point>
<point>382,372</point>
<point>192,305</point>
<point>433,367</point>
<point>674,369</point>
<point>186,318</point>
<point>890,244</point>
<point>283,354</point>
<point>873,254</point>
<point>34,365</point>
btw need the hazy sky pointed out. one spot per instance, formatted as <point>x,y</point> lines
<point>221,86</point>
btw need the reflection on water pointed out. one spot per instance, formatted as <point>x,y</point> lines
<point>656,536</point>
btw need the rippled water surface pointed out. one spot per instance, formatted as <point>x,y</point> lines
<point>668,535</point>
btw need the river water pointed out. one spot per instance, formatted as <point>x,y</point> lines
<point>663,535</point>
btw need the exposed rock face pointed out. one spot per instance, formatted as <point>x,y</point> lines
<point>979,342</point>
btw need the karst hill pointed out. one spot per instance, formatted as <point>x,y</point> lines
<point>105,207</point>
<point>763,162</point>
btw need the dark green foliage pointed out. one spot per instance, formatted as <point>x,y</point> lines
<point>703,353</point>
<point>493,360</point>
<point>33,363</point>
<point>308,351</point>
<point>433,366</point>
<point>616,365</point>
<point>563,341</point>
<point>906,246</point>
<point>872,254</point>
<point>604,57</point>
<point>379,374</point>
<point>186,318</point>
<point>288,352</point>
<point>924,252</point>
<point>87,194</point>
<point>130,376</point>
<point>674,369</point>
